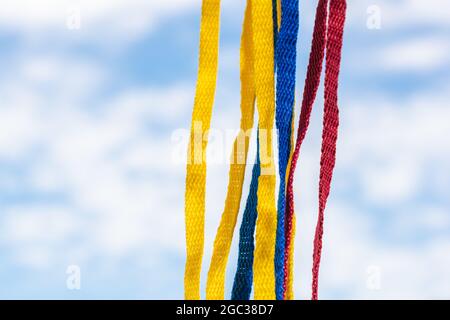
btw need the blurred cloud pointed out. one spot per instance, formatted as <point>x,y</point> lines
<point>100,19</point>
<point>406,12</point>
<point>423,55</point>
<point>402,14</point>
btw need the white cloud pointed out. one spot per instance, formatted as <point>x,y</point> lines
<point>105,160</point>
<point>417,54</point>
<point>38,224</point>
<point>16,134</point>
<point>432,12</point>
<point>393,181</point>
<point>401,14</point>
<point>36,233</point>
<point>394,147</point>
<point>67,78</point>
<point>99,19</point>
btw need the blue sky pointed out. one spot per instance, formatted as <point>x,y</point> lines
<point>91,173</point>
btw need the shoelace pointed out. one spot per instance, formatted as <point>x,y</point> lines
<point>242,285</point>
<point>266,222</point>
<point>215,286</point>
<point>196,166</point>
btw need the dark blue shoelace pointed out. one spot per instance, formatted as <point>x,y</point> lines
<point>242,286</point>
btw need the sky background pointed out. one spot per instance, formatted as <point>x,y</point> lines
<point>94,95</point>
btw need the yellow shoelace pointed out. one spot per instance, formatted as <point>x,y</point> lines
<point>196,167</point>
<point>263,266</point>
<point>215,286</point>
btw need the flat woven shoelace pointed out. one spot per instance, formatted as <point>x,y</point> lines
<point>242,285</point>
<point>196,164</point>
<point>215,286</point>
<point>286,55</point>
<point>328,35</point>
<point>266,222</point>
